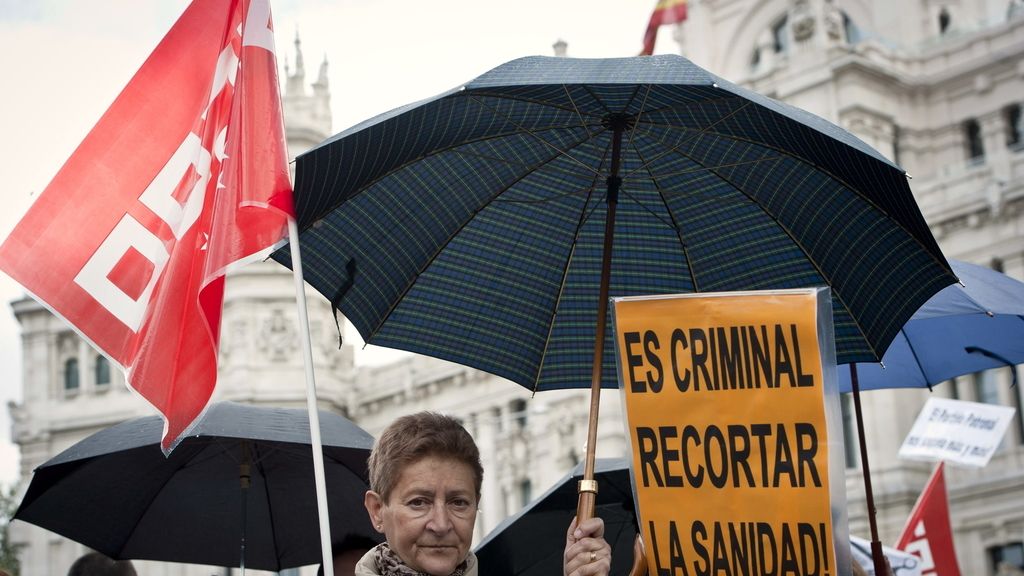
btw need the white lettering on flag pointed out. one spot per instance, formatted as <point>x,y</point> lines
<point>94,277</point>
<point>257,26</point>
<point>183,177</point>
<point>920,547</point>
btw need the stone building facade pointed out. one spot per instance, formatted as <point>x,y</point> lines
<point>937,85</point>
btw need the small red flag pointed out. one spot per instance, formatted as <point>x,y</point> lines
<point>928,533</point>
<point>665,12</point>
<point>185,175</point>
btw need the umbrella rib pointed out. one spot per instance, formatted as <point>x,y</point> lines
<point>455,146</point>
<point>795,241</point>
<point>430,261</point>
<point>673,224</point>
<point>717,166</point>
<point>645,165</point>
<point>258,461</point>
<point>855,190</point>
<point>682,105</point>
<point>694,134</point>
<point>917,360</point>
<point>633,127</point>
<point>534,134</point>
<point>577,110</point>
<point>584,217</point>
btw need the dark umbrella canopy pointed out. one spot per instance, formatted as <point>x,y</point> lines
<point>960,330</point>
<point>531,542</point>
<point>470,226</point>
<point>116,493</point>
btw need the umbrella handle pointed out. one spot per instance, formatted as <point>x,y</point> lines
<point>587,502</point>
<point>639,558</point>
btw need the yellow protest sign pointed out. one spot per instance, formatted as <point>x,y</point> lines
<point>725,400</point>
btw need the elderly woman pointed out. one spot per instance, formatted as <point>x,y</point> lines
<point>425,478</point>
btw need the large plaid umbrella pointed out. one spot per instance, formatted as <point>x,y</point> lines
<point>489,225</point>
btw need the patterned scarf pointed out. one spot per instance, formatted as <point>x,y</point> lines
<point>389,564</point>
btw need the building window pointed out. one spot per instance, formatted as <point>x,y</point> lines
<point>497,417</point>
<point>102,371</point>
<point>896,144</point>
<point>518,409</point>
<point>951,386</point>
<point>780,36</point>
<point>850,30</point>
<point>1006,556</point>
<point>986,387</point>
<point>1014,126</point>
<point>71,376</point>
<point>972,136</point>
<point>525,492</point>
<point>851,443</point>
<point>944,20</point>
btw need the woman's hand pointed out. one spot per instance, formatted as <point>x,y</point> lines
<point>586,551</point>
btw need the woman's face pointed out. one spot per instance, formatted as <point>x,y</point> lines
<point>429,518</point>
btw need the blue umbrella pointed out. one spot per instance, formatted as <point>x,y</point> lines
<point>489,225</point>
<point>962,329</point>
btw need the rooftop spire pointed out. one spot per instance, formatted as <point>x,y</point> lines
<point>300,69</point>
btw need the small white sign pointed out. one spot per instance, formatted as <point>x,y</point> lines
<point>957,431</point>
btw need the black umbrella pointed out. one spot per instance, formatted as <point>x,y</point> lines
<point>238,491</point>
<point>530,543</point>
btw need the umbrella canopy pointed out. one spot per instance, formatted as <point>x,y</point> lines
<point>489,225</point>
<point>960,330</point>
<point>471,226</point>
<point>531,542</point>
<point>116,493</point>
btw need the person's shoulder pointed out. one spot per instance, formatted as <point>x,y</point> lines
<point>367,566</point>
<point>472,566</point>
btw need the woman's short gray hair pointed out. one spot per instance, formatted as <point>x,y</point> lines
<point>416,436</point>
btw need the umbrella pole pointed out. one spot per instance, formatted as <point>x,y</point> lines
<point>877,555</point>
<point>588,486</point>
<point>314,415</point>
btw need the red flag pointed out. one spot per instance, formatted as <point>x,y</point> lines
<point>927,533</point>
<point>184,175</point>
<point>665,12</point>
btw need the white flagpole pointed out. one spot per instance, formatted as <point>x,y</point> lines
<point>314,416</point>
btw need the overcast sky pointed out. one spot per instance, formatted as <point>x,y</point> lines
<point>64,62</point>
